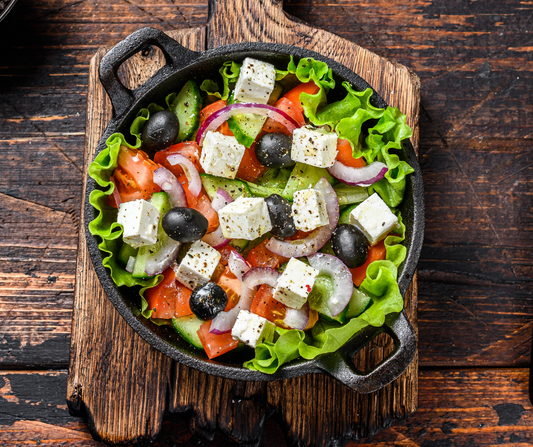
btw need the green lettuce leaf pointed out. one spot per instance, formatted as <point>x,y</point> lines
<point>105,225</point>
<point>229,72</point>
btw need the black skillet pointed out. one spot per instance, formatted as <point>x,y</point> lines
<point>183,64</point>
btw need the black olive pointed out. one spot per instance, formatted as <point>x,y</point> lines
<point>350,245</point>
<point>185,224</point>
<point>160,131</point>
<point>280,210</point>
<point>208,300</point>
<point>274,150</point>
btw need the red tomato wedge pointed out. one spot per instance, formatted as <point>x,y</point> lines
<point>215,344</point>
<point>344,155</point>
<point>188,148</point>
<point>201,203</point>
<point>375,253</point>
<point>261,256</point>
<point>250,168</point>
<point>207,111</point>
<point>290,109</point>
<point>169,298</point>
<point>267,307</point>
<point>294,94</point>
<point>232,286</point>
<point>134,175</point>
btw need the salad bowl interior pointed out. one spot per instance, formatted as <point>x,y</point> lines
<point>182,65</point>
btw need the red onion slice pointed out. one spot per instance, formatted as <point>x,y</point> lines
<point>365,176</point>
<point>225,321</point>
<point>297,318</point>
<point>261,275</point>
<point>221,199</point>
<point>163,258</point>
<point>318,238</point>
<point>169,183</point>
<point>220,116</point>
<point>116,195</point>
<point>216,239</point>
<point>342,280</point>
<point>193,177</point>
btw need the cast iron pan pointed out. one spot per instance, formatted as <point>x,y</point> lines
<point>183,64</point>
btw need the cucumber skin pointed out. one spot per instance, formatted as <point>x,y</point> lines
<point>186,106</point>
<point>235,188</point>
<point>125,252</point>
<point>187,328</point>
<point>303,176</point>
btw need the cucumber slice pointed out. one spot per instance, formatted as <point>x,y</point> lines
<point>161,202</point>
<point>125,252</point>
<point>186,106</point>
<point>235,188</point>
<point>265,191</point>
<point>302,177</point>
<point>322,289</point>
<point>245,126</point>
<point>275,178</point>
<point>358,303</point>
<point>344,218</point>
<point>348,194</point>
<point>239,244</point>
<point>276,93</point>
<point>187,327</point>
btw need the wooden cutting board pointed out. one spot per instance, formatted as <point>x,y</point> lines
<point>125,387</point>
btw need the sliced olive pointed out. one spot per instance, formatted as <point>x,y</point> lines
<point>208,300</point>
<point>160,131</point>
<point>350,245</point>
<point>185,224</point>
<point>280,210</point>
<point>274,150</point>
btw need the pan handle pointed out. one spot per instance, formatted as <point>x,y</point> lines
<point>121,97</point>
<point>339,364</point>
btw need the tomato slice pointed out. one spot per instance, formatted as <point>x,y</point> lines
<point>375,253</point>
<point>134,175</point>
<point>169,298</point>
<point>200,203</point>
<point>290,109</point>
<point>188,148</point>
<point>232,286</point>
<point>344,155</point>
<point>215,344</point>
<point>261,256</point>
<point>207,111</point>
<point>267,307</point>
<point>250,169</point>
<point>294,94</point>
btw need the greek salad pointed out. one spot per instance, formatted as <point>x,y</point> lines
<point>258,210</point>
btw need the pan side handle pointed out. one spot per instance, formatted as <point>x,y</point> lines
<point>121,97</point>
<point>340,365</point>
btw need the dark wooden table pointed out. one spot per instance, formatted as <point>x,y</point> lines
<point>475,62</point>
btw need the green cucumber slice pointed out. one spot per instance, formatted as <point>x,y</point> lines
<point>161,202</point>
<point>348,194</point>
<point>322,289</point>
<point>265,191</point>
<point>302,177</point>
<point>125,252</point>
<point>344,218</point>
<point>186,106</point>
<point>235,188</point>
<point>358,303</point>
<point>245,126</point>
<point>239,244</point>
<point>187,327</point>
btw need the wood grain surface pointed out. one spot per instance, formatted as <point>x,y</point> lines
<point>475,63</point>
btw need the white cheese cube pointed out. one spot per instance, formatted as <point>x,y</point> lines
<point>221,155</point>
<point>246,218</point>
<point>256,81</point>
<point>198,265</point>
<point>314,147</point>
<point>139,219</point>
<point>374,218</point>
<point>252,329</point>
<point>309,210</point>
<point>295,284</point>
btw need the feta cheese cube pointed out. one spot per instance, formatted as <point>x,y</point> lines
<point>139,219</point>
<point>309,210</point>
<point>295,284</point>
<point>246,218</point>
<point>374,218</point>
<point>256,81</point>
<point>314,147</point>
<point>252,329</point>
<point>198,265</point>
<point>221,155</point>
